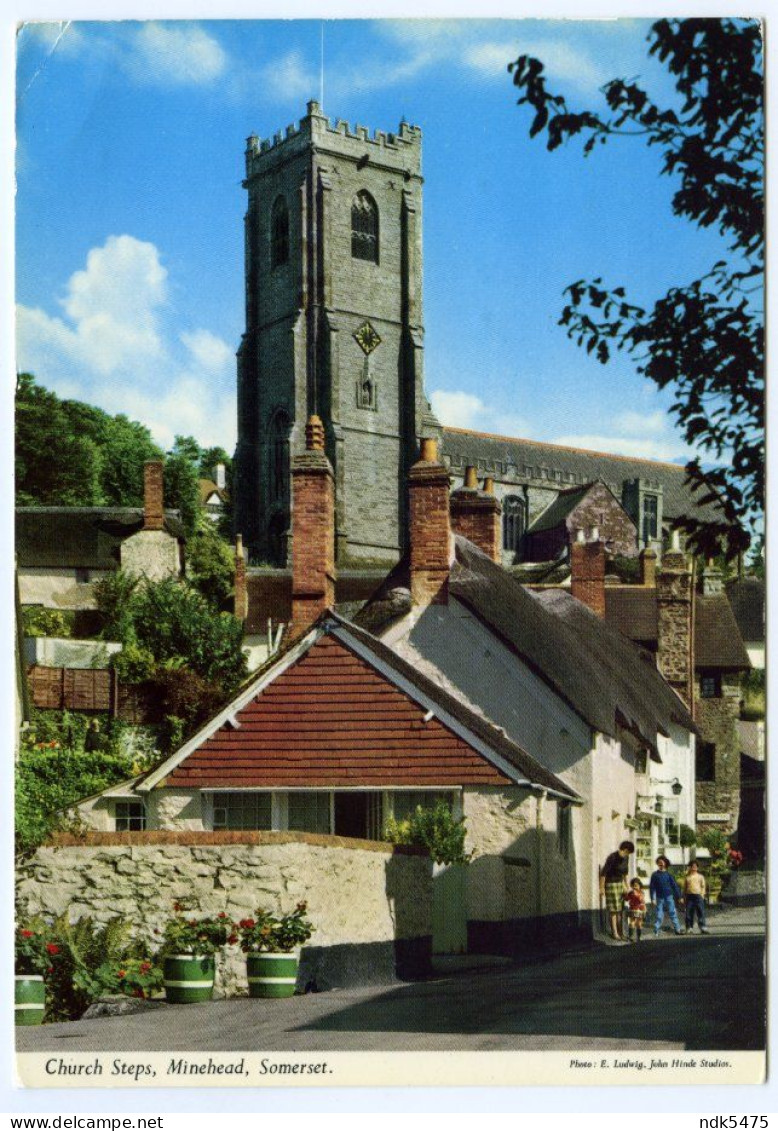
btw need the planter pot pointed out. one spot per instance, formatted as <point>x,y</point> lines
<point>30,999</point>
<point>715,885</point>
<point>188,978</point>
<point>272,975</point>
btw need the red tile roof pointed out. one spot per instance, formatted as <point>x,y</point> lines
<point>332,720</point>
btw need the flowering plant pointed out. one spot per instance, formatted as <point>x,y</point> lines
<point>34,951</point>
<point>186,933</point>
<point>264,933</point>
<point>735,858</point>
<point>135,977</point>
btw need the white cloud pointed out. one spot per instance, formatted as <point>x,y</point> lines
<point>115,348</point>
<point>667,449</point>
<point>653,423</point>
<point>457,409</point>
<point>288,78</point>
<point>175,54</point>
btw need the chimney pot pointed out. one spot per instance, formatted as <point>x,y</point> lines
<point>314,435</point>
<point>240,592</point>
<point>489,485</point>
<point>471,481</point>
<point>595,534</point>
<point>239,546</point>
<point>429,450</point>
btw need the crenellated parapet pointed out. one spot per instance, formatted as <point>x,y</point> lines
<point>401,148</point>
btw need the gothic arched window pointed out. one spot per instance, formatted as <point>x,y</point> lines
<point>278,452</point>
<point>364,227</point>
<point>279,233</point>
<point>514,523</point>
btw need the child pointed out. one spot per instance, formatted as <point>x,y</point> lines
<point>636,908</point>
<point>665,891</point>
<point>694,894</point>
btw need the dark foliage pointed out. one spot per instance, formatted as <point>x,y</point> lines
<point>704,339</point>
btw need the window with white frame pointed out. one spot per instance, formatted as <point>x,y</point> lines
<point>308,812</point>
<point>242,811</point>
<point>405,802</point>
<point>129,816</point>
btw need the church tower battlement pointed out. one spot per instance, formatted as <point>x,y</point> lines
<point>333,254</point>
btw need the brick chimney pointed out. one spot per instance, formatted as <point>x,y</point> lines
<point>675,621</point>
<point>587,571</point>
<point>430,527</point>
<point>475,514</point>
<point>153,495</point>
<point>240,597</point>
<point>648,567</point>
<point>313,531</point>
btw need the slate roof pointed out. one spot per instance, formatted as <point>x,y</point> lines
<point>604,677</point>
<point>572,466</point>
<point>717,640</point>
<point>79,537</point>
<point>557,511</point>
<point>330,718</point>
<point>747,598</point>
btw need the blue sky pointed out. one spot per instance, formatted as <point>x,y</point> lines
<point>129,212</point>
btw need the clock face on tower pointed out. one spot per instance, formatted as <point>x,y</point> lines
<point>367,338</point>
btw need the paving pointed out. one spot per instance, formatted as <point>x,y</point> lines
<point>693,992</point>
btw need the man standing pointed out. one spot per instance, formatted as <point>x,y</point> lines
<point>664,892</point>
<point>614,886</point>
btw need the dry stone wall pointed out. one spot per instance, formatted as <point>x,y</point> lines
<point>361,896</point>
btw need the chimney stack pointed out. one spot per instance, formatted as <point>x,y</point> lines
<point>648,567</point>
<point>430,527</point>
<point>587,572</point>
<point>221,476</point>
<point>475,514</point>
<point>675,621</point>
<point>712,580</point>
<point>313,530</point>
<point>153,495</point>
<point>240,597</point>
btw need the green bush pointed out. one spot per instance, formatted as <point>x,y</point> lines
<point>435,829</point>
<point>688,837</point>
<point>40,621</point>
<point>134,664</point>
<point>94,960</point>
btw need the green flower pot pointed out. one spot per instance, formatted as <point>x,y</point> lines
<point>30,999</point>
<point>188,978</point>
<point>272,975</point>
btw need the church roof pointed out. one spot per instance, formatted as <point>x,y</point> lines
<point>558,466</point>
<point>558,510</point>
<point>79,537</point>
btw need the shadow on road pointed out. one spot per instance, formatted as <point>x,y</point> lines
<point>694,993</point>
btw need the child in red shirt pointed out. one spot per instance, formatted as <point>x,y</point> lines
<point>636,908</point>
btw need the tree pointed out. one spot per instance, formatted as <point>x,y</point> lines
<point>705,340</point>
<point>210,563</point>
<point>182,490</point>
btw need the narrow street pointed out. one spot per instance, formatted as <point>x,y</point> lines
<point>692,992</point>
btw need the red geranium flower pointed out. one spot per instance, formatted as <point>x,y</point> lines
<point>26,934</point>
<point>122,973</point>
<point>52,948</point>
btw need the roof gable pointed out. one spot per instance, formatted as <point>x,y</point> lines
<point>339,710</point>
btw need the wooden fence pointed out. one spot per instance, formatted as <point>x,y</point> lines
<point>95,690</point>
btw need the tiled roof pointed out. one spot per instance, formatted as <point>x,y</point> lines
<point>331,719</point>
<point>558,466</point>
<point>747,598</point>
<point>85,537</point>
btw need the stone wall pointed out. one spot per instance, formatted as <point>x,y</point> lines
<point>371,905</point>
<point>717,721</point>
<point>152,554</point>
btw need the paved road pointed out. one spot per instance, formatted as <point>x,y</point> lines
<point>688,993</point>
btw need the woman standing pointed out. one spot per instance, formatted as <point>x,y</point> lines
<point>614,886</point>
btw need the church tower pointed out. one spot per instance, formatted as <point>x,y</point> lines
<point>333,328</point>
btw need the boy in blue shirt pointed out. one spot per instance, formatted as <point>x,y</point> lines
<point>664,892</point>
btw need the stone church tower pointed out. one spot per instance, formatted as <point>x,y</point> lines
<point>333,328</point>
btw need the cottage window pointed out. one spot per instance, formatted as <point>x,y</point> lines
<point>279,233</point>
<point>705,761</point>
<point>710,685</point>
<point>514,513</point>
<point>129,816</point>
<point>242,811</point>
<point>364,228</point>
<point>309,812</point>
<point>406,802</point>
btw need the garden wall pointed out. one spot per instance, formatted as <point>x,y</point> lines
<point>371,904</point>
